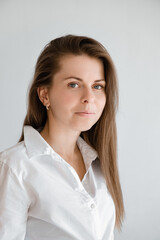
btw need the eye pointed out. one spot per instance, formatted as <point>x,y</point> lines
<point>72,85</point>
<point>99,87</point>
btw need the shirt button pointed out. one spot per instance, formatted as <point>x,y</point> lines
<point>92,205</point>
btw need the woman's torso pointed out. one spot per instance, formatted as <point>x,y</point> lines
<point>56,200</point>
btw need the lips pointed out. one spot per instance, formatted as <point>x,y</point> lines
<point>87,111</point>
<point>85,114</point>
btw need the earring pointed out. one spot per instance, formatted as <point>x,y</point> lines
<point>47,107</point>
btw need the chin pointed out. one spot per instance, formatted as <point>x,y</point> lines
<point>85,128</point>
<point>82,126</point>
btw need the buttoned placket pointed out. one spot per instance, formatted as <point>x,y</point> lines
<point>89,202</point>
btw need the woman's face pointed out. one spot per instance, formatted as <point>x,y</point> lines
<point>78,87</point>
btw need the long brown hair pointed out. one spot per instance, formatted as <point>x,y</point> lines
<point>102,136</point>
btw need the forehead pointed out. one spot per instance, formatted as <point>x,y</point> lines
<point>81,63</point>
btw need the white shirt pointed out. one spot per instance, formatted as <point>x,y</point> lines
<point>43,198</point>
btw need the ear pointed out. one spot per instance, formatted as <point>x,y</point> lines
<point>43,95</point>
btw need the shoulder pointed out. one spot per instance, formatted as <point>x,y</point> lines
<point>13,155</point>
<point>13,169</point>
<point>14,151</point>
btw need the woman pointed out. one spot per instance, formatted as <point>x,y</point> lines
<point>61,180</point>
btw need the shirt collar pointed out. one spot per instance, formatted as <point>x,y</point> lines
<point>36,145</point>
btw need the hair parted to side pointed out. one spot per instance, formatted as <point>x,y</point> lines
<point>102,136</point>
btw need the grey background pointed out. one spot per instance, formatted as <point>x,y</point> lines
<point>130,30</point>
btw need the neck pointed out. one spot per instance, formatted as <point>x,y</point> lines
<point>62,142</point>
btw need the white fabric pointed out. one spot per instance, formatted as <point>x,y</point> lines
<point>42,197</point>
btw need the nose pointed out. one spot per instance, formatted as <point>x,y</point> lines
<point>88,95</point>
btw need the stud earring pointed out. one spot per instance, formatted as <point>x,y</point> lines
<point>47,107</point>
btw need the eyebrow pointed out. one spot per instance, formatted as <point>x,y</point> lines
<point>80,79</point>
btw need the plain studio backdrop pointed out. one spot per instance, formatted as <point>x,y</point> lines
<point>130,30</point>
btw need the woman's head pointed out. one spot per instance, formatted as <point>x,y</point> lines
<point>78,87</point>
<point>49,64</point>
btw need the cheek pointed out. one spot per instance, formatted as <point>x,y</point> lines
<point>68,99</point>
<point>62,99</point>
<point>102,101</point>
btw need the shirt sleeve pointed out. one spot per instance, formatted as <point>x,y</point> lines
<point>13,205</point>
